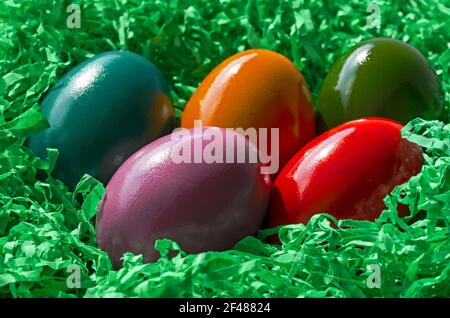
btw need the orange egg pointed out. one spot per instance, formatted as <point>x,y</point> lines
<point>260,89</point>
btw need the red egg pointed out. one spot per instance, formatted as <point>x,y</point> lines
<point>345,172</point>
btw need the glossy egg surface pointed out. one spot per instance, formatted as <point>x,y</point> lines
<point>101,112</point>
<point>204,206</point>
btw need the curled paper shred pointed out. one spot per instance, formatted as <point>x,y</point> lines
<point>47,233</point>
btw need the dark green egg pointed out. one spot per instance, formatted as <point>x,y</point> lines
<point>101,112</point>
<point>381,77</point>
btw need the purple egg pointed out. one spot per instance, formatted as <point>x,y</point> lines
<point>204,206</point>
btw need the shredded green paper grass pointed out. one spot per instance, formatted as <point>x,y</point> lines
<point>47,231</point>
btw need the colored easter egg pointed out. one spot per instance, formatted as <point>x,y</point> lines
<point>381,77</point>
<point>101,112</point>
<point>200,203</point>
<point>346,172</point>
<point>256,89</point>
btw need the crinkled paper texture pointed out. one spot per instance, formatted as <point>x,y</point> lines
<point>45,229</point>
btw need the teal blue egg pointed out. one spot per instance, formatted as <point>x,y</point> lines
<point>101,112</point>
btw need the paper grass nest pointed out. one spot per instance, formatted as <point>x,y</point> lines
<point>45,230</point>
